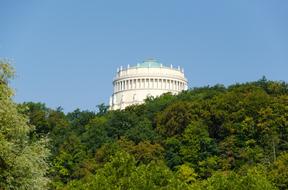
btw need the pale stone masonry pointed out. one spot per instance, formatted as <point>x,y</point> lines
<point>132,85</point>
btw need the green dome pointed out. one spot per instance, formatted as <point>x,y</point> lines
<point>151,63</point>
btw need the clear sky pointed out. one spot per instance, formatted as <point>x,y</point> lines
<point>66,52</point>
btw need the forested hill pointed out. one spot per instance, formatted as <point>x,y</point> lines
<point>215,137</point>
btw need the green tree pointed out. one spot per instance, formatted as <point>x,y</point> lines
<point>102,109</point>
<point>253,179</point>
<point>174,119</point>
<point>95,134</point>
<point>22,162</point>
<point>187,173</point>
<point>196,143</point>
<point>122,172</point>
<point>119,122</point>
<point>38,114</point>
<point>279,171</point>
<point>142,131</point>
<point>144,152</point>
<point>172,152</point>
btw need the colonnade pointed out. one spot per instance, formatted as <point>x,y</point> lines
<point>149,83</point>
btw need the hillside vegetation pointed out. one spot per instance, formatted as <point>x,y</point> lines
<point>215,137</point>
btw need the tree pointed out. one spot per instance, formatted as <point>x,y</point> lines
<point>79,119</point>
<point>172,152</point>
<point>102,109</point>
<point>196,143</point>
<point>122,172</point>
<point>65,166</point>
<point>38,114</point>
<point>22,162</point>
<point>119,122</point>
<point>253,179</point>
<point>144,152</point>
<point>279,171</point>
<point>95,134</point>
<point>174,119</point>
<point>143,131</point>
<point>186,173</point>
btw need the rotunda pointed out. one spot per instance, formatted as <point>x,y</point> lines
<point>132,85</point>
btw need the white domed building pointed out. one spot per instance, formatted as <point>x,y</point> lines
<point>132,85</point>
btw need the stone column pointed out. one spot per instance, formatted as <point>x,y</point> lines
<point>138,83</point>
<point>157,83</point>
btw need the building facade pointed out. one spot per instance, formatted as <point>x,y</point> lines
<point>132,85</point>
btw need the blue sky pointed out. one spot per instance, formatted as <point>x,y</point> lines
<point>67,52</point>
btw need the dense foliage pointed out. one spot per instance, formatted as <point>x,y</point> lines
<point>23,161</point>
<point>216,137</point>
